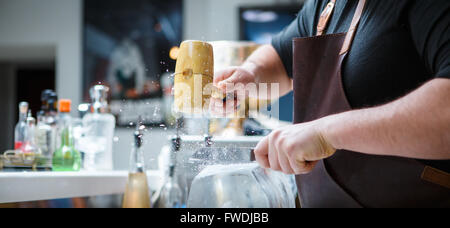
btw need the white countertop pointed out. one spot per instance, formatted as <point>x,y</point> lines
<point>33,186</point>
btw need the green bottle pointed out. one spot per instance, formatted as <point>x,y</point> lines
<point>66,157</point>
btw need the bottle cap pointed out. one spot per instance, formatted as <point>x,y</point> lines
<point>99,92</point>
<point>23,107</point>
<point>99,96</point>
<point>64,105</point>
<point>46,94</point>
<point>52,101</point>
<point>44,99</point>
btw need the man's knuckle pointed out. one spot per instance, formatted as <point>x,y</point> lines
<point>276,133</point>
<point>280,143</point>
<point>290,149</point>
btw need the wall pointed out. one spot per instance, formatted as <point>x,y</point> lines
<point>45,30</point>
<point>218,19</point>
<point>7,118</point>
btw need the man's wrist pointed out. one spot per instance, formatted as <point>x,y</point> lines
<point>328,129</point>
<point>252,68</point>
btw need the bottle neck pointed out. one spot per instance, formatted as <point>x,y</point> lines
<point>29,136</point>
<point>66,130</point>
<point>137,164</point>
<point>44,107</point>
<point>66,138</point>
<point>51,107</point>
<point>172,171</point>
<point>99,106</point>
<point>22,117</point>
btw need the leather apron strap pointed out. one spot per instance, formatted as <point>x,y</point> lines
<point>324,20</point>
<point>353,27</point>
<point>325,17</point>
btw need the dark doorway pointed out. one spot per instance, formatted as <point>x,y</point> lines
<point>30,83</point>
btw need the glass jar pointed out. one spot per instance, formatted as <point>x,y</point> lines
<point>245,185</point>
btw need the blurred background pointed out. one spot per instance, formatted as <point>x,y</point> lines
<point>70,45</point>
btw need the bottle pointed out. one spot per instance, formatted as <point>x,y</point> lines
<point>98,132</point>
<point>19,131</point>
<point>66,157</point>
<point>29,146</point>
<point>46,132</point>
<point>137,194</point>
<point>171,195</point>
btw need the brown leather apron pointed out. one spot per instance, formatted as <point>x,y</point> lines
<point>351,179</point>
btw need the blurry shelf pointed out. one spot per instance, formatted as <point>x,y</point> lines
<point>33,186</point>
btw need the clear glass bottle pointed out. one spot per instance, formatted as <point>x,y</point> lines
<point>137,193</point>
<point>29,146</point>
<point>19,131</point>
<point>98,132</point>
<point>66,157</point>
<point>171,193</point>
<point>46,128</point>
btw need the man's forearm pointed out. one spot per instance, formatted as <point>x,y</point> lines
<point>415,126</point>
<point>266,65</point>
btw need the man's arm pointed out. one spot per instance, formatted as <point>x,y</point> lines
<point>415,126</point>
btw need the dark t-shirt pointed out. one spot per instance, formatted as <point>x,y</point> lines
<point>399,45</point>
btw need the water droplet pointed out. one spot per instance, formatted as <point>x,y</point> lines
<point>116,139</point>
<point>156,111</point>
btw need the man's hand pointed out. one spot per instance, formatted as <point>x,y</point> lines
<point>232,80</point>
<point>263,66</point>
<point>233,75</point>
<point>294,149</point>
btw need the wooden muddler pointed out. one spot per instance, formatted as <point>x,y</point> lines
<point>193,77</point>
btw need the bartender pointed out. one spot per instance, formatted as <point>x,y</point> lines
<point>371,82</point>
